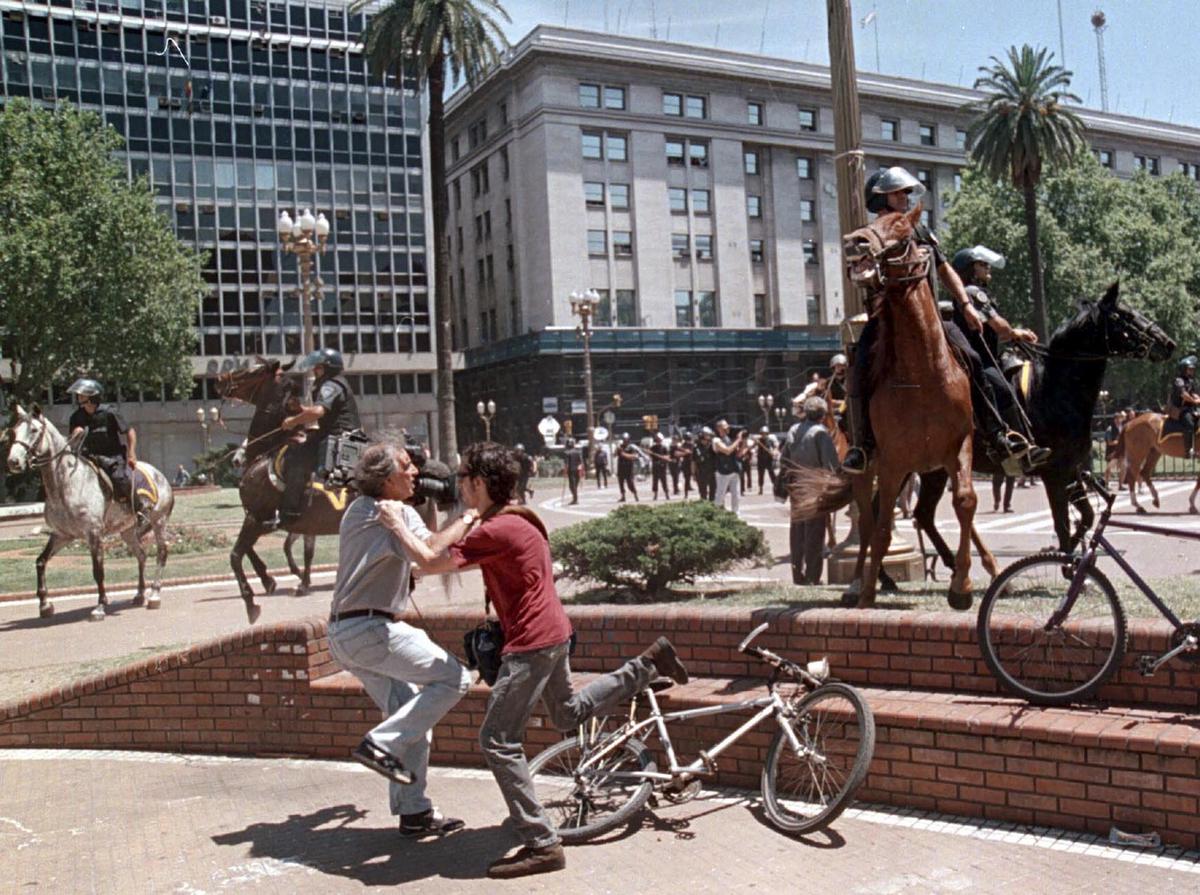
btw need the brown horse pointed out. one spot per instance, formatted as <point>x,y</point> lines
<point>1142,443</point>
<point>920,406</point>
<point>273,395</point>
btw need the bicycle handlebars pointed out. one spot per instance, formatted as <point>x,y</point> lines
<point>745,643</point>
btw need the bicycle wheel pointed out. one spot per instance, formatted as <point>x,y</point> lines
<point>582,805</point>
<point>836,730</point>
<point>1050,665</point>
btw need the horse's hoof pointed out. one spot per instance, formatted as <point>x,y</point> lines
<point>849,600</point>
<point>253,611</point>
<point>1141,511</point>
<point>270,587</point>
<point>1193,511</point>
<point>960,601</point>
<point>1157,504</point>
<point>97,614</point>
<point>154,602</point>
<point>865,603</point>
<point>888,586</point>
<point>139,600</point>
<point>300,590</point>
<point>46,610</point>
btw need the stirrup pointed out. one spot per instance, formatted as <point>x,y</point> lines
<point>852,468</point>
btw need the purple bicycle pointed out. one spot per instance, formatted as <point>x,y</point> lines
<point>1051,627</point>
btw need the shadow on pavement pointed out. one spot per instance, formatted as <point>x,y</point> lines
<point>64,617</point>
<point>327,841</point>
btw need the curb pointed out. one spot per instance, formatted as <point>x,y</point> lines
<point>167,582</point>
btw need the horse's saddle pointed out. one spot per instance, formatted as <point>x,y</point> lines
<point>336,496</point>
<point>106,483</point>
<point>142,482</point>
<point>1019,374</point>
<point>1171,427</point>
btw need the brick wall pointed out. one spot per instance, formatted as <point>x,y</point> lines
<point>275,690</point>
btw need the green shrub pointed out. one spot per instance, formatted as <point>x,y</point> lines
<point>649,547</point>
<point>551,466</point>
<point>217,465</point>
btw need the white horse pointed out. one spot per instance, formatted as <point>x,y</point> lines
<point>77,507</point>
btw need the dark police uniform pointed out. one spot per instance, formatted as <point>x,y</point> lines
<point>626,464</point>
<point>1185,413</point>
<point>660,456</point>
<point>574,461</point>
<point>341,415</point>
<point>106,443</point>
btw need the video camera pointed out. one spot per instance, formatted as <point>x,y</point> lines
<point>435,480</point>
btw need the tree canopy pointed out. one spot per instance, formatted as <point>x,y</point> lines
<point>92,277</point>
<point>1094,228</point>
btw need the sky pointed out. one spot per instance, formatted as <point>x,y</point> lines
<point>1149,44</point>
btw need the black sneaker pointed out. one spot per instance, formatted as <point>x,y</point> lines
<point>855,462</point>
<point>663,657</point>
<point>428,823</point>
<point>367,753</point>
<point>528,861</point>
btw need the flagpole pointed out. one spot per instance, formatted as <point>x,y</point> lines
<point>875,22</point>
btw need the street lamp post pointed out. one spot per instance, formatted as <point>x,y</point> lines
<point>304,237</point>
<point>583,305</point>
<point>487,412</point>
<point>780,415</point>
<point>766,402</point>
<point>207,420</point>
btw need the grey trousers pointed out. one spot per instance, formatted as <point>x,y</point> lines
<point>524,678</point>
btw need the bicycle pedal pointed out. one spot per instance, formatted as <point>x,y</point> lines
<point>1147,665</point>
<point>679,791</point>
<point>710,763</point>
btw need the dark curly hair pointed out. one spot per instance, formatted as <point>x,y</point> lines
<point>496,465</point>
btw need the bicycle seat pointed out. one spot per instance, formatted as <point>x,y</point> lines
<point>660,683</point>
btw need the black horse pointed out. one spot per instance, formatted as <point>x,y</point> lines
<point>1065,385</point>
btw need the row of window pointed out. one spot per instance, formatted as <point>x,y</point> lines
<point>274,342</point>
<point>622,243</point>
<point>683,246</point>
<point>695,309</point>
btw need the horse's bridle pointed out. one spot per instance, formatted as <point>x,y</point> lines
<point>898,254</point>
<point>32,450</point>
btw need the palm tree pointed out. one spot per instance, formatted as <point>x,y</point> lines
<point>422,37</point>
<point>1021,126</point>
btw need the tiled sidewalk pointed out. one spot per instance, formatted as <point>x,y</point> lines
<point>111,822</point>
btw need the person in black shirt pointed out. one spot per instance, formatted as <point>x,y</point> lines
<point>106,440</point>
<point>574,461</point>
<point>704,460</point>
<point>766,452</point>
<point>627,457</point>
<point>1184,404</point>
<point>660,456</point>
<point>334,411</point>
<point>682,453</point>
<point>600,462</point>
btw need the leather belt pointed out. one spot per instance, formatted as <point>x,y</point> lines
<point>360,613</point>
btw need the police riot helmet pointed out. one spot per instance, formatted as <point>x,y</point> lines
<point>518,446</point>
<point>624,436</point>
<point>1187,362</point>
<point>569,443</point>
<point>964,261</point>
<point>707,430</point>
<point>329,358</point>
<point>838,360</point>
<point>86,388</point>
<point>891,180</point>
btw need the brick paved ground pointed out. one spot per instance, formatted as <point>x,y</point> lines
<point>148,823</point>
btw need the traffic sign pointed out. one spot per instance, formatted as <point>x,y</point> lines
<point>579,407</point>
<point>549,405</point>
<point>549,428</point>
<point>609,417</point>
<point>600,434</point>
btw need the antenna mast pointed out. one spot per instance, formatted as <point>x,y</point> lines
<point>1100,24</point>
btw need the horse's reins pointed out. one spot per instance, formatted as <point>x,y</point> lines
<point>35,461</point>
<point>896,255</point>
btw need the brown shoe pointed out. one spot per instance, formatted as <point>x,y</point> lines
<point>528,861</point>
<point>665,660</point>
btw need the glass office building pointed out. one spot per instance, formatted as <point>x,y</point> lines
<point>237,110</point>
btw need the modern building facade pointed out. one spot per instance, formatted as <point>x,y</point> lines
<point>694,190</point>
<point>237,110</point>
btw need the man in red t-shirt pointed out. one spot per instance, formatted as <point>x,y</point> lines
<point>510,546</point>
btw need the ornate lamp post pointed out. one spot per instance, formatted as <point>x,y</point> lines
<point>780,415</point>
<point>207,420</point>
<point>304,237</point>
<point>765,403</point>
<point>583,305</point>
<point>487,412</point>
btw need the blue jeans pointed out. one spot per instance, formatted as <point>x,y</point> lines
<point>524,679</point>
<point>413,681</point>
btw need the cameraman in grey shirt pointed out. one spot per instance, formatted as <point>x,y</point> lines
<point>412,680</point>
<point>808,444</point>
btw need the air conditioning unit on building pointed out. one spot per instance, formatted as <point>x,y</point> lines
<point>337,52</point>
<point>15,15</point>
<point>183,207</point>
<point>175,103</point>
<point>208,208</point>
<point>342,214</point>
<point>217,21</point>
<point>337,116</point>
<point>110,28</point>
<point>360,117</point>
<point>260,109</point>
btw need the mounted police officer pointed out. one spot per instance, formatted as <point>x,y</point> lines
<point>1184,404</point>
<point>106,440</point>
<point>334,411</point>
<point>895,190</point>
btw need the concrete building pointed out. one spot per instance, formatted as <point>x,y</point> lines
<point>694,189</point>
<point>238,110</point>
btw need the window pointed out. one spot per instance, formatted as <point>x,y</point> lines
<point>674,149</point>
<point>503,114</point>
<point>1191,170</point>
<point>810,252</point>
<point>591,145</point>
<point>696,107</point>
<point>615,147</point>
<point>760,309</point>
<point>597,242</point>
<point>927,134</point>
<point>754,206</point>
<point>677,200</point>
<point>680,247</point>
<point>478,228</point>
<point>622,242</point>
<point>703,247</point>
<point>756,251</point>
<point>683,308</point>
<point>889,129</point>
<point>806,210</point>
<point>589,96</point>
<point>672,104</point>
<point>927,218</point>
<point>618,195</point>
<point>593,193</point>
<point>627,307</point>
<point>602,316</point>
<point>808,119</point>
<point>925,177</point>
<point>813,306</point>
<point>698,154</point>
<point>1147,163</point>
<point>960,138</point>
<point>700,201</point>
<point>804,167</point>
<point>504,161</point>
<point>707,303</point>
<point>614,97</point>
<point>751,161</point>
<point>1105,157</point>
<point>957,181</point>
<point>754,114</point>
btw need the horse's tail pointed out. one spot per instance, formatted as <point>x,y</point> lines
<point>815,492</point>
